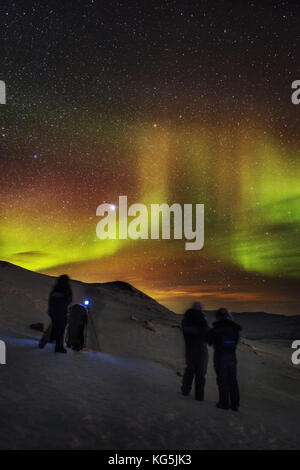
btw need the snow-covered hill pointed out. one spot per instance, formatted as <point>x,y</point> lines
<point>123,320</point>
<point>128,395</point>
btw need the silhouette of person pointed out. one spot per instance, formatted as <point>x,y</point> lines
<point>224,336</point>
<point>59,300</point>
<point>195,328</point>
<point>77,322</point>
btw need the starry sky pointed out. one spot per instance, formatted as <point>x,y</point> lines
<point>162,101</point>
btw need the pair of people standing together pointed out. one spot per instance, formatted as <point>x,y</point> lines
<point>224,337</point>
<point>58,310</point>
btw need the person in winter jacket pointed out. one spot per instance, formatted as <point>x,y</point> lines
<point>224,337</point>
<point>77,323</point>
<point>194,326</point>
<point>59,300</point>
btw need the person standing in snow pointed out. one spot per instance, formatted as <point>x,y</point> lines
<point>195,328</point>
<point>77,323</point>
<point>59,300</point>
<point>224,336</point>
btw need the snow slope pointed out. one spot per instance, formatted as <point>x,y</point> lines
<point>121,316</point>
<point>127,396</point>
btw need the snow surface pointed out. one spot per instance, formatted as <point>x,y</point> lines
<point>128,395</point>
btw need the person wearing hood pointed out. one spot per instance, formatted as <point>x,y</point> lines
<point>224,337</point>
<point>194,326</point>
<point>77,323</point>
<point>59,300</point>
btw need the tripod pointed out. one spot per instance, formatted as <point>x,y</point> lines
<point>94,329</point>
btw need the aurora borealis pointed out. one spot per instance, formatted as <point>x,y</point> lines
<point>184,102</point>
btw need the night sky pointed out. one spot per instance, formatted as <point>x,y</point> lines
<point>163,101</point>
